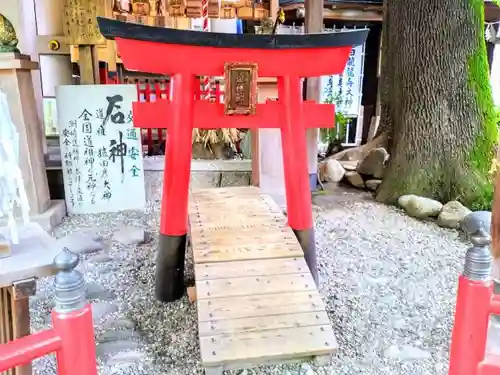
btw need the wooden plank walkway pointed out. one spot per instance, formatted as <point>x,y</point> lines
<point>257,301</point>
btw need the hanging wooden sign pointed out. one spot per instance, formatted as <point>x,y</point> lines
<point>176,8</point>
<point>213,9</point>
<point>141,8</point>
<point>227,11</point>
<point>80,21</point>
<point>193,8</point>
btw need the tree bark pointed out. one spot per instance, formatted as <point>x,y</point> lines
<point>436,102</point>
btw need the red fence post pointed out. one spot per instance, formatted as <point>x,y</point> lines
<point>72,319</point>
<point>72,335</point>
<point>474,296</point>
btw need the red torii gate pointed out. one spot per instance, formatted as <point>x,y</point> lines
<point>186,54</point>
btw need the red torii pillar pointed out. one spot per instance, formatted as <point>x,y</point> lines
<point>184,55</point>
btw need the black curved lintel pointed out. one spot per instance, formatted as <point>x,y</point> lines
<point>116,29</point>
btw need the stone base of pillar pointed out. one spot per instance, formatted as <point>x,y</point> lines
<point>48,219</point>
<point>313,181</point>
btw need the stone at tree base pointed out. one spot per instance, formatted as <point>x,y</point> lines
<point>475,220</point>
<point>374,163</point>
<point>373,184</point>
<point>355,179</point>
<point>452,214</point>
<point>420,207</point>
<point>333,171</point>
<point>131,236</point>
<point>349,165</point>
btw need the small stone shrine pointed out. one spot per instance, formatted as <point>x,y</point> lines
<point>17,85</point>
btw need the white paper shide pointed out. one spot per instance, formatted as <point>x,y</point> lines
<point>12,192</point>
<point>101,151</point>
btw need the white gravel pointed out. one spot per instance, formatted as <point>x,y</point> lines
<point>388,281</point>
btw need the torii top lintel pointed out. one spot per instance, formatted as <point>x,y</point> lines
<point>169,51</point>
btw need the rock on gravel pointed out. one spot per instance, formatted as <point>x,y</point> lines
<point>333,170</point>
<point>374,163</point>
<point>131,236</point>
<point>82,241</point>
<point>420,207</point>
<point>452,214</point>
<point>388,281</point>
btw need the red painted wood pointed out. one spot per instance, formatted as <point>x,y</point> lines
<point>177,171</point>
<point>294,148</point>
<point>158,97</point>
<point>147,98</point>
<point>171,59</point>
<point>491,366</point>
<point>211,115</point>
<point>76,330</point>
<point>72,338</point>
<point>162,91</point>
<point>24,350</point>
<point>495,305</point>
<point>470,329</point>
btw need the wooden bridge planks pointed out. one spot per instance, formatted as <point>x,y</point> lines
<point>257,301</point>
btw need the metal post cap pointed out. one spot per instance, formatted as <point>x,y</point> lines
<point>478,259</point>
<point>66,260</point>
<point>69,283</point>
<point>481,238</point>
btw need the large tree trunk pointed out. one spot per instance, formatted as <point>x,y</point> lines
<point>436,102</point>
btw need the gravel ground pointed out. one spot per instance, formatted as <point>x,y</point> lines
<point>388,281</point>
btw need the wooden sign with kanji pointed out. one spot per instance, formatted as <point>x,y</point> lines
<point>80,21</point>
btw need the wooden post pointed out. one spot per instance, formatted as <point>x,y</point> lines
<point>86,64</point>
<point>313,24</point>
<point>80,29</point>
<point>14,323</point>
<point>273,9</point>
